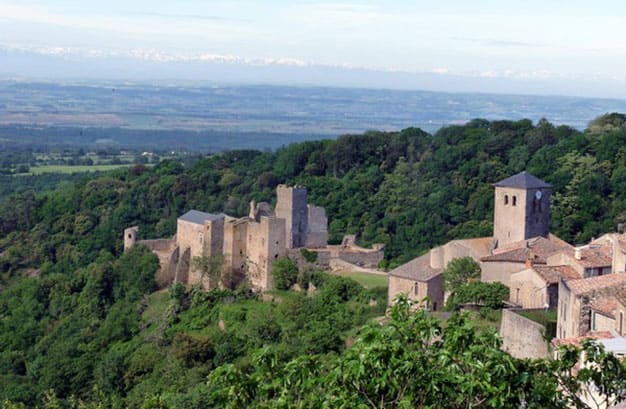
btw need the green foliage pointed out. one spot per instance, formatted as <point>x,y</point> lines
<point>309,256</point>
<point>490,295</point>
<point>413,362</point>
<point>459,272</point>
<point>77,315</point>
<point>285,273</point>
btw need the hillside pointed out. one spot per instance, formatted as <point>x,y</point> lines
<point>80,319</point>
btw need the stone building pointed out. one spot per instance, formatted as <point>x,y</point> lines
<point>521,232</point>
<point>538,285</point>
<point>521,209</point>
<point>576,300</point>
<point>422,277</point>
<point>507,260</point>
<point>248,245</point>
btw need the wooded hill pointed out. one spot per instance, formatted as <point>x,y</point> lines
<point>78,318</point>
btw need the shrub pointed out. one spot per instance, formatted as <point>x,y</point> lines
<point>309,256</point>
<point>285,273</point>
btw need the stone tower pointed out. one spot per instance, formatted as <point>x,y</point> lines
<point>130,237</point>
<point>521,209</point>
<point>291,206</point>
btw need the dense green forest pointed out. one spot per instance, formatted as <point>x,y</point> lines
<point>79,319</point>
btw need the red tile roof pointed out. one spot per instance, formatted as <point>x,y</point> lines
<point>594,256</point>
<point>577,341</point>
<point>605,306</point>
<point>587,285</point>
<point>552,274</point>
<point>418,269</point>
<point>538,249</point>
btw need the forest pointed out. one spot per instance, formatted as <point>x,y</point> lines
<point>82,325</point>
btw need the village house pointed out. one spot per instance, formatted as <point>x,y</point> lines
<point>537,286</point>
<point>575,313</point>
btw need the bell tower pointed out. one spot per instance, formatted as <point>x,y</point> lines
<point>521,209</point>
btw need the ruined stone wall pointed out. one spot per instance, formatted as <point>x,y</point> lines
<point>130,237</point>
<point>292,207</point>
<point>235,232</point>
<point>321,263</point>
<point>317,229</point>
<point>214,237</point>
<point>265,243</point>
<point>159,244</point>
<point>521,337</point>
<point>190,236</point>
<point>367,259</point>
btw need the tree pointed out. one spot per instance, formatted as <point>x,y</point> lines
<point>460,271</point>
<point>490,295</point>
<point>285,273</point>
<point>211,269</point>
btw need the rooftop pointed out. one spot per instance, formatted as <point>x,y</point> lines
<point>605,306</point>
<point>523,180</point>
<point>418,269</point>
<point>587,285</point>
<point>552,274</point>
<point>538,249</point>
<point>577,341</point>
<point>197,217</point>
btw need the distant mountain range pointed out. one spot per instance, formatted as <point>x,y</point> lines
<point>63,64</point>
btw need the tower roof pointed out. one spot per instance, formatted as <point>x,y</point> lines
<point>197,217</point>
<point>523,180</point>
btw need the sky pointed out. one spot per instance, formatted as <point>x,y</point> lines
<point>548,42</point>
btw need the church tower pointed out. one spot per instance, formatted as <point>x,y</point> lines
<point>521,209</point>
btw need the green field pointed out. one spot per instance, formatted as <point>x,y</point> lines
<point>368,280</point>
<point>38,170</point>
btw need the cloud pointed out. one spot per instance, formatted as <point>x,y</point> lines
<point>490,42</point>
<point>194,17</point>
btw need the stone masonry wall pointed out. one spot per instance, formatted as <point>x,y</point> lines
<point>521,337</point>
<point>368,259</point>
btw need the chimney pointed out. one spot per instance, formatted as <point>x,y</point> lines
<point>529,263</point>
<point>578,253</point>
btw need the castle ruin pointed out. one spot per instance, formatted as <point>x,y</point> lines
<point>249,245</point>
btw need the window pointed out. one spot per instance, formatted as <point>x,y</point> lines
<point>130,236</point>
<point>416,289</point>
<point>621,323</point>
<point>514,200</point>
<point>593,321</point>
<point>506,200</point>
<point>434,306</point>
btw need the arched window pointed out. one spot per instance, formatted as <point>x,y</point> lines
<point>514,200</point>
<point>506,200</point>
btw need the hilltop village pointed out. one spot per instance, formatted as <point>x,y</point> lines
<point>586,284</point>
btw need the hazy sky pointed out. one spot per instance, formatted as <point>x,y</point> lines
<point>512,39</point>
